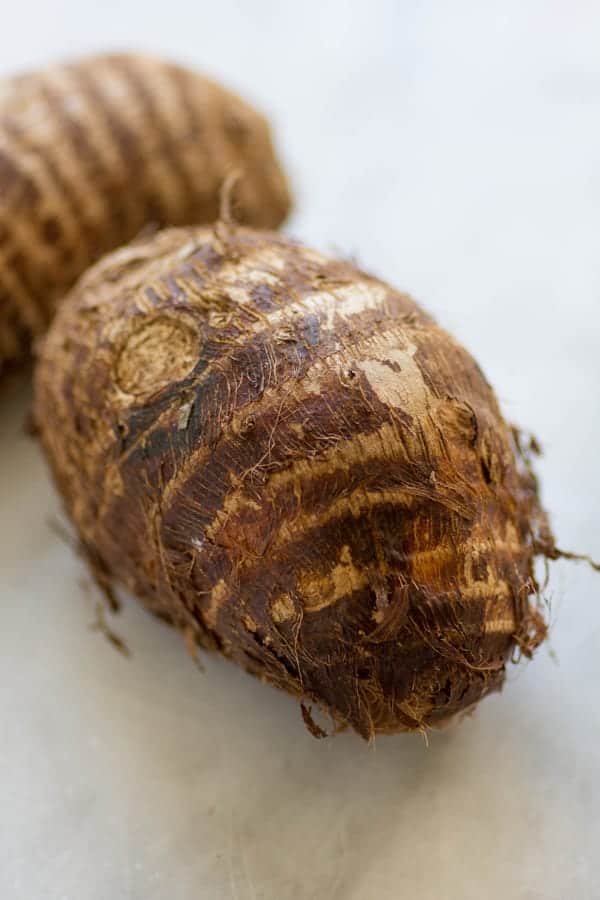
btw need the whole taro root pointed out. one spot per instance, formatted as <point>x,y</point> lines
<point>290,461</point>
<point>93,151</point>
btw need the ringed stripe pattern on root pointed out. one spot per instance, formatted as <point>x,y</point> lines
<point>93,151</point>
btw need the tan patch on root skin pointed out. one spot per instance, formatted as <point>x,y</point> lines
<point>500,626</point>
<point>217,596</point>
<point>282,608</point>
<point>397,380</point>
<point>343,579</point>
<point>160,352</point>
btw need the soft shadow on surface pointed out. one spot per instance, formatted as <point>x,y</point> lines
<point>271,786</point>
<point>223,781</point>
<point>250,800</point>
<point>15,398</point>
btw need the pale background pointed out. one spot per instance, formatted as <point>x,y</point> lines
<point>455,148</point>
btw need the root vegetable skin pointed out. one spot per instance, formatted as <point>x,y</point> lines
<point>93,151</point>
<point>290,461</point>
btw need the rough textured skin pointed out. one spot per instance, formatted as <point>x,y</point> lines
<point>93,151</point>
<point>293,463</point>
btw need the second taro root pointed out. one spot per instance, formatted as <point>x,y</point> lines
<point>93,151</point>
<point>292,462</point>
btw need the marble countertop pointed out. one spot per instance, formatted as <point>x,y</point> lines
<point>455,150</point>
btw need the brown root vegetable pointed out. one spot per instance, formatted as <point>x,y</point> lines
<point>290,461</point>
<point>91,152</point>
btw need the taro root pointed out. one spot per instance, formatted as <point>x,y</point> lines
<point>290,461</point>
<point>91,152</point>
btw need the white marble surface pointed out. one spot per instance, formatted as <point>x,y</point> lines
<point>455,147</point>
